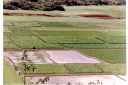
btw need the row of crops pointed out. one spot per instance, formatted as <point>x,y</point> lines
<point>79,68</point>
<point>64,34</point>
<point>25,38</point>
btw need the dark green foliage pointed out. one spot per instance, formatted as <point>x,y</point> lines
<point>10,7</point>
<point>94,2</point>
<point>33,5</point>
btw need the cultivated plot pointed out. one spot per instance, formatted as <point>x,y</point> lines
<point>69,56</point>
<point>78,80</point>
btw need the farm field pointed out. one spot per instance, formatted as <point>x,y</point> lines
<point>103,40</point>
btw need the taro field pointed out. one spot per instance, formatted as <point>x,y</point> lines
<point>102,39</point>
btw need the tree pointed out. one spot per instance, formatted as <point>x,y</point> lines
<point>27,65</point>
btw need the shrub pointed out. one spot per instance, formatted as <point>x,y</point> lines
<point>10,7</point>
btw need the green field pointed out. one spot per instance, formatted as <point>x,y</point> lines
<point>10,77</point>
<point>107,55</point>
<point>61,37</point>
<point>78,68</point>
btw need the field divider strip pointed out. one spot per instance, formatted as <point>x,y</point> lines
<point>99,68</point>
<point>66,74</point>
<point>68,68</point>
<point>41,39</point>
<point>121,78</point>
<point>63,46</point>
<point>48,56</point>
<point>101,40</point>
<point>12,23</point>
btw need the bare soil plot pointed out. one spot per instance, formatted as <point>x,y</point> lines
<point>79,80</point>
<point>36,57</point>
<point>48,57</point>
<point>70,57</point>
<point>99,16</point>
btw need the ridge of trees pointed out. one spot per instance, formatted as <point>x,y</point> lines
<point>50,5</point>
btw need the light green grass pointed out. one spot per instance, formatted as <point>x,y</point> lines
<point>69,24</point>
<point>69,33</point>
<point>91,46</point>
<point>49,68</point>
<point>113,68</point>
<point>10,45</point>
<point>7,23</point>
<point>10,77</point>
<point>24,23</point>
<point>22,32</point>
<point>107,55</point>
<point>7,40</point>
<point>6,29</point>
<point>70,39</point>
<point>113,39</point>
<point>32,42</point>
<point>80,68</point>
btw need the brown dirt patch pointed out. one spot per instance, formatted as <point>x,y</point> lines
<point>99,16</point>
<point>26,14</point>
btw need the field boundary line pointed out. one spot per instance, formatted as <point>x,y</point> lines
<point>48,56</point>
<point>6,49</point>
<point>68,68</point>
<point>102,40</point>
<point>99,68</point>
<point>121,78</point>
<point>68,74</point>
<point>12,23</point>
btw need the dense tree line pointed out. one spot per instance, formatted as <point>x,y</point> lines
<point>49,5</point>
<point>91,2</point>
<point>33,5</point>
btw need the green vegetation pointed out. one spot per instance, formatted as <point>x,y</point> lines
<point>70,39</point>
<point>22,32</point>
<point>10,76</point>
<point>107,55</point>
<point>69,33</point>
<point>32,42</point>
<point>101,46</point>
<point>79,68</point>
<point>49,68</point>
<point>113,68</point>
<point>23,23</point>
<point>113,39</point>
<point>10,45</point>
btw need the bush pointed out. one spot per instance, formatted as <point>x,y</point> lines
<point>57,7</point>
<point>10,7</point>
<point>48,9</point>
